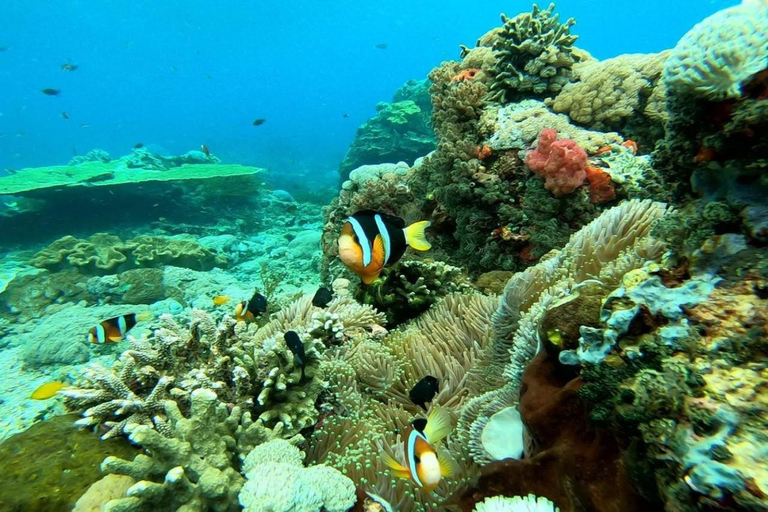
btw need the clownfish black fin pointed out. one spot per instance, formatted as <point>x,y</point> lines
<point>416,236</point>
<point>438,425</point>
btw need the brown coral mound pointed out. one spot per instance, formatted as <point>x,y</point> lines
<point>576,465</point>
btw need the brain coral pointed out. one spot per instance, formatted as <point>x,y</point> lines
<point>720,53</point>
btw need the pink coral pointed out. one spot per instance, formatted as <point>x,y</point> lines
<point>562,163</point>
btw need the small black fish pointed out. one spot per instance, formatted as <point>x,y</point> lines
<point>69,67</point>
<point>138,145</point>
<point>382,46</point>
<point>345,115</point>
<point>258,304</point>
<point>258,122</point>
<point>322,297</point>
<point>65,115</point>
<point>424,391</point>
<point>50,92</point>
<point>248,309</point>
<point>296,346</point>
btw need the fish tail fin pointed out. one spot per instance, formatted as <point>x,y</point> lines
<point>395,467</point>
<point>416,236</point>
<point>438,425</point>
<point>448,466</point>
<point>144,316</point>
<point>369,278</point>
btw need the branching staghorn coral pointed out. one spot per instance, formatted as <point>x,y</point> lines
<point>205,393</point>
<point>190,468</point>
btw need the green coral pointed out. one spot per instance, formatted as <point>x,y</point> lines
<point>407,290</point>
<point>103,253</point>
<point>50,465</point>
<point>401,112</point>
<point>400,131</point>
<point>534,55</point>
<point>688,228</point>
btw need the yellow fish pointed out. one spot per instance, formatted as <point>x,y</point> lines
<point>47,390</point>
<point>220,300</point>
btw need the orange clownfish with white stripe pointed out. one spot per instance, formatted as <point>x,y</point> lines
<point>115,329</point>
<point>371,240</point>
<point>426,464</point>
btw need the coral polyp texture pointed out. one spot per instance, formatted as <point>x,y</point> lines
<point>534,54</point>
<point>719,55</point>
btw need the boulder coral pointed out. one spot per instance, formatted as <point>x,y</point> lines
<point>623,94</point>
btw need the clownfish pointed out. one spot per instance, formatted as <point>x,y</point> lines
<point>371,240</point>
<point>426,463</point>
<point>248,309</point>
<point>114,329</point>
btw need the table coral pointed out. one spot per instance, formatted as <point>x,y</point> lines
<point>562,163</point>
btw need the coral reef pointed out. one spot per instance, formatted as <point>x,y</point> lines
<point>687,382</point>
<point>199,398</point>
<point>534,55</point>
<point>103,253</point>
<point>276,480</point>
<point>622,94</point>
<point>400,130</point>
<point>719,55</point>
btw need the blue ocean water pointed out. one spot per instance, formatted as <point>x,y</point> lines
<point>175,74</point>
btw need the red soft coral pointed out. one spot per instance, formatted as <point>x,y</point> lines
<point>600,185</point>
<point>562,163</point>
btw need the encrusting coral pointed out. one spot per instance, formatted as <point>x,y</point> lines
<point>103,253</point>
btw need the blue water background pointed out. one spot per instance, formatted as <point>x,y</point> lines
<point>177,74</point>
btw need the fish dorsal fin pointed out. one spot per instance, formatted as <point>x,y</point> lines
<point>448,466</point>
<point>438,425</point>
<point>416,236</point>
